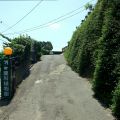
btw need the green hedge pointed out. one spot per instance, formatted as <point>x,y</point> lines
<point>94,50</point>
<point>116,101</point>
<point>81,48</point>
<point>105,75</point>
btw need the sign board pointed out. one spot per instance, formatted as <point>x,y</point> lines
<point>6,79</point>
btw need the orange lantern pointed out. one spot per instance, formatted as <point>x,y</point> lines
<point>8,51</point>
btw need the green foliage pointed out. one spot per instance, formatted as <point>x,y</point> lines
<point>94,50</point>
<point>27,48</point>
<point>5,37</point>
<point>89,6</point>
<point>37,49</point>
<point>82,47</point>
<point>72,50</point>
<point>46,47</point>
<point>116,101</point>
<point>1,55</point>
<point>21,47</point>
<point>105,76</point>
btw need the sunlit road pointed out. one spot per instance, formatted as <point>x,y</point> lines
<point>54,92</point>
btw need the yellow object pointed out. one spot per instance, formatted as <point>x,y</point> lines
<point>8,51</point>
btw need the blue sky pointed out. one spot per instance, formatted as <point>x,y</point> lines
<point>58,33</point>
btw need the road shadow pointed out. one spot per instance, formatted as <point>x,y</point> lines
<point>4,102</point>
<point>105,105</point>
<point>20,73</point>
<point>102,103</point>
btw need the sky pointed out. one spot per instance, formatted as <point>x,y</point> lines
<point>58,32</point>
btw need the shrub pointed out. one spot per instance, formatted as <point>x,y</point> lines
<point>94,50</point>
<point>116,101</point>
<point>105,75</point>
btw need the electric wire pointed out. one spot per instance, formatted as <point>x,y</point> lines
<point>40,27</point>
<point>56,20</point>
<point>23,17</point>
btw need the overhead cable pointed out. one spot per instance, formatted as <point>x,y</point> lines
<point>56,20</point>
<point>23,17</point>
<point>46,25</point>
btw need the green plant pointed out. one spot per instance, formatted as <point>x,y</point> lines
<point>116,101</point>
<point>105,75</point>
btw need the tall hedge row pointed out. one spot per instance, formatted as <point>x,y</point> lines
<point>105,75</point>
<point>94,51</point>
<point>81,51</point>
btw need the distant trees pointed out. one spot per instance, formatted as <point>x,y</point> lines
<point>40,48</point>
<point>94,51</point>
<point>21,47</point>
<point>26,48</point>
<point>46,47</point>
<point>37,49</point>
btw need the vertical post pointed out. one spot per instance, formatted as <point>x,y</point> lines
<point>6,76</point>
<point>5,79</point>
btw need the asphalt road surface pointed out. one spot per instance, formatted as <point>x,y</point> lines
<point>54,92</point>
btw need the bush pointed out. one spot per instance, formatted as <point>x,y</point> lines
<point>105,75</point>
<point>94,50</point>
<point>116,101</point>
<point>81,49</point>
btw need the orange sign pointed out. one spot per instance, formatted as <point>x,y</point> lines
<point>8,51</point>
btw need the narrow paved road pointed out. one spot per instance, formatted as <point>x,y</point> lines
<point>54,92</point>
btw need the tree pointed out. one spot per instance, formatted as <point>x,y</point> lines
<point>36,50</point>
<point>89,7</point>
<point>21,47</point>
<point>5,37</point>
<point>46,47</point>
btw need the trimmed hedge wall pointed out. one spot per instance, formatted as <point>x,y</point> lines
<point>94,51</point>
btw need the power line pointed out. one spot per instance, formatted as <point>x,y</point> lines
<point>23,16</point>
<point>52,20</point>
<point>56,20</point>
<point>47,25</point>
